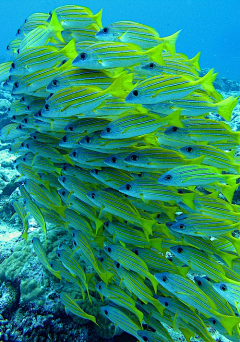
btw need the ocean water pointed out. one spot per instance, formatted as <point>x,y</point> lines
<point>210,26</point>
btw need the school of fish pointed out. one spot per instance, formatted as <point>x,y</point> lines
<point>113,143</point>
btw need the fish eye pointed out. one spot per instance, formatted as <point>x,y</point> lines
<point>25,120</point>
<point>139,175</point>
<point>135,251</point>
<point>55,82</point>
<point>64,138</point>
<point>63,179</point>
<point>95,171</point>
<point>22,99</point>
<point>168,177</point>
<point>25,181</point>
<point>14,117</point>
<point>64,61</point>
<point>117,265</point>
<point>18,31</point>
<point>128,187</point>
<point>108,129</point>
<point>34,137</point>
<point>101,259</point>
<point>106,224</point>
<point>83,56</point>
<point>166,304</point>
<point>114,159</point>
<point>151,65</point>
<point>22,144</point>
<point>99,287</point>
<point>93,195</point>
<point>20,127</point>
<point>39,113</point>
<point>223,287</point>
<point>180,191</point>
<point>199,282</point>
<point>189,149</point>
<point>179,250</point>
<point>24,159</point>
<point>70,128</point>
<point>63,193</point>
<point>27,145</point>
<point>106,312</point>
<point>214,321</point>
<point>18,50</point>
<point>87,139</point>
<point>16,85</point>
<point>74,242</point>
<point>182,226</point>
<point>145,338</point>
<point>135,92</point>
<point>13,65</point>
<point>109,249</point>
<point>105,30</point>
<point>25,20</point>
<point>47,106</point>
<point>64,167</point>
<point>75,155</point>
<point>174,129</point>
<point>164,279</point>
<point>134,157</point>
<point>8,47</point>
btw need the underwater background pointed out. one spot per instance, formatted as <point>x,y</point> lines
<point>208,26</point>
<point>51,291</point>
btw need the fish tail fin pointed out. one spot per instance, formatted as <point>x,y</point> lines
<point>156,243</point>
<point>225,107</point>
<point>206,82</point>
<point>174,119</point>
<point>69,50</point>
<point>56,27</point>
<point>229,322</point>
<point>231,180</point>
<point>195,61</point>
<point>234,241</point>
<point>99,224</point>
<point>121,86</point>
<point>228,258</point>
<point>154,281</point>
<point>68,159</point>
<point>228,191</point>
<point>147,225</point>
<point>170,42</point>
<point>98,18</point>
<point>155,53</point>
<point>188,200</point>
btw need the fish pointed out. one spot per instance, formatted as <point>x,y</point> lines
<point>122,320</point>
<point>167,87</point>
<point>38,58</point>
<point>65,102</point>
<point>197,224</point>
<point>74,268</point>
<point>188,175</point>
<point>130,261</point>
<point>127,31</point>
<point>130,126</point>
<point>42,257</point>
<point>199,261</point>
<point>73,16</point>
<point>106,55</point>
<point>159,158</point>
<point>86,125</point>
<point>121,207</point>
<point>149,189</point>
<point>228,291</point>
<point>5,71</point>
<point>42,34</point>
<point>112,178</point>
<point>187,291</point>
<point>119,297</point>
<point>135,283</point>
<point>71,306</point>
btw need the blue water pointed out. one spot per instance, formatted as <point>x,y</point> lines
<point>210,26</point>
